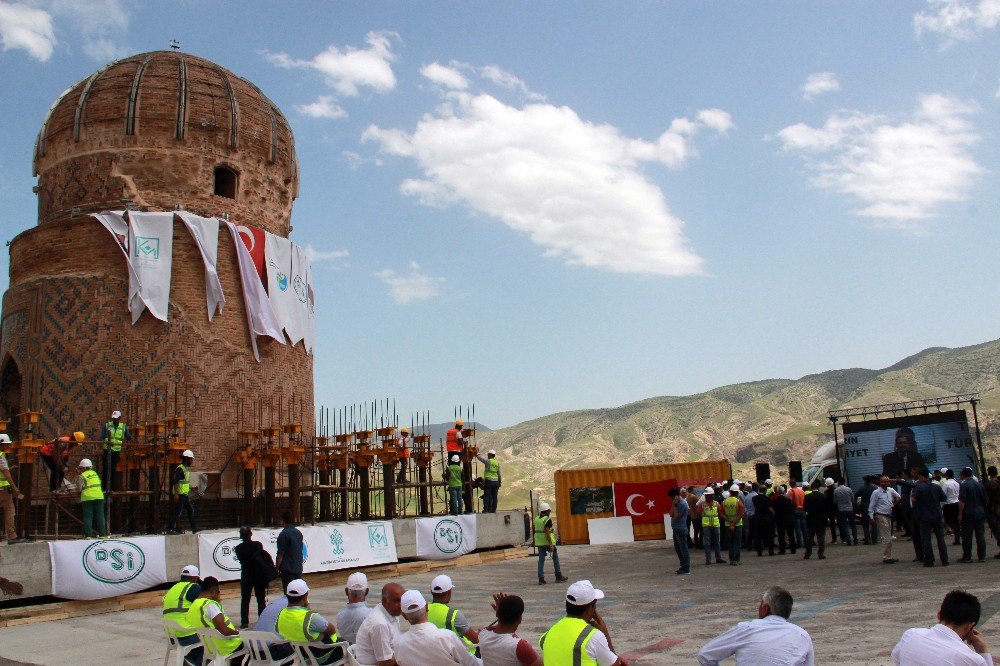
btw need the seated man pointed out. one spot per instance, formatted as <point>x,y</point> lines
<point>206,611</point>
<point>349,618</point>
<point>380,629</point>
<point>443,616</point>
<point>771,639</point>
<point>178,600</point>
<point>498,644</point>
<point>426,644</point>
<point>299,624</point>
<point>581,633</point>
<point>954,641</point>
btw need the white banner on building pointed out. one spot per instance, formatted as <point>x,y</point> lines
<point>311,329</point>
<point>446,537</point>
<point>325,547</point>
<point>87,569</point>
<point>301,290</point>
<point>116,225</point>
<point>279,261</point>
<point>260,317</point>
<point>151,242</point>
<point>205,231</point>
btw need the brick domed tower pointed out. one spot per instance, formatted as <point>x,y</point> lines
<point>152,132</point>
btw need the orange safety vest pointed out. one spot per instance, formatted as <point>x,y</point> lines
<point>406,449</point>
<point>47,450</point>
<point>452,442</point>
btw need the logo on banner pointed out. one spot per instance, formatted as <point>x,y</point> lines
<point>282,281</point>
<point>300,289</point>
<point>448,536</point>
<point>147,248</point>
<point>224,554</point>
<point>337,541</point>
<point>378,541</point>
<point>113,562</point>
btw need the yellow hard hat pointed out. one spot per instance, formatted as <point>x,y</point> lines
<point>459,422</point>
<point>406,430</point>
<point>79,436</point>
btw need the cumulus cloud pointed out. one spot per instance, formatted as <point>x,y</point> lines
<point>819,83</point>
<point>319,256</point>
<point>323,107</point>
<point>28,28</point>
<point>413,286</point>
<point>902,170</point>
<point>958,20</point>
<point>350,69</point>
<point>505,79</point>
<point>573,187</point>
<point>448,77</point>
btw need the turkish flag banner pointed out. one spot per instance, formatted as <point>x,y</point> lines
<point>253,239</point>
<point>645,502</point>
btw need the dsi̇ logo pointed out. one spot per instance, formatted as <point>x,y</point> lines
<point>114,562</point>
<point>337,541</point>
<point>224,554</point>
<point>448,536</point>
<point>301,290</point>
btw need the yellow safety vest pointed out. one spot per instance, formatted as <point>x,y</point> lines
<point>3,479</point>
<point>92,486</point>
<point>183,487</point>
<point>540,538</point>
<point>454,473</point>
<point>731,507</point>
<point>196,618</point>
<point>293,624</point>
<point>492,472</point>
<point>114,435</point>
<point>443,617</point>
<point>565,644</point>
<point>176,605</point>
<point>709,515</point>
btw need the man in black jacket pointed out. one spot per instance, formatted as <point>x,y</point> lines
<point>783,520</point>
<point>927,500</point>
<point>252,576</point>
<point>763,524</point>
<point>816,506</point>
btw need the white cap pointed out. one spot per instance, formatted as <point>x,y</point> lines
<point>455,458</point>
<point>4,438</point>
<point>86,463</point>
<point>709,491</point>
<point>544,506</point>
<point>582,592</point>
<point>116,414</point>
<point>190,570</point>
<point>297,588</point>
<point>491,452</point>
<point>829,481</point>
<point>944,470</point>
<point>357,581</point>
<point>725,494</point>
<point>734,488</point>
<point>768,482</point>
<point>412,600</point>
<point>188,454</point>
<point>441,584</point>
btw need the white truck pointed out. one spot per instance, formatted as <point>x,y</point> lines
<point>823,464</point>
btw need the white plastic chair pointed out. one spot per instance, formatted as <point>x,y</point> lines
<point>171,628</point>
<point>306,658</point>
<point>352,657</point>
<point>259,644</point>
<point>212,655</point>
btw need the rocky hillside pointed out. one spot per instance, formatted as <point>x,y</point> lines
<point>773,421</point>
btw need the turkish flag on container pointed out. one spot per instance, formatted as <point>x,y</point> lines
<point>646,502</point>
<point>253,238</point>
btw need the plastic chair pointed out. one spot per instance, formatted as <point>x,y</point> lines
<point>212,654</point>
<point>171,628</point>
<point>352,657</point>
<point>259,644</point>
<point>306,658</point>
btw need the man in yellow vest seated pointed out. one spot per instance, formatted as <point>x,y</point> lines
<point>206,612</point>
<point>91,499</point>
<point>299,624</point>
<point>545,542</point>
<point>443,616</point>
<point>113,433</point>
<point>581,637</point>
<point>178,600</point>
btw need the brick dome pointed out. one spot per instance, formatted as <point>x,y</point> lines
<point>163,129</point>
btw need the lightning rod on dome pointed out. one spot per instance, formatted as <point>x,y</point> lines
<point>175,45</point>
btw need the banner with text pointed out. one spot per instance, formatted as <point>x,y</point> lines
<point>446,537</point>
<point>87,569</point>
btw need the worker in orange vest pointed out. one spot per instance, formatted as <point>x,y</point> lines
<point>55,454</point>
<point>455,441</point>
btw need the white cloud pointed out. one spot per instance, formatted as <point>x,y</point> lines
<point>958,20</point>
<point>575,188</point>
<point>323,107</point>
<point>350,69</point>
<point>355,160</point>
<point>507,80</point>
<point>102,25</point>
<point>448,77</point>
<point>819,83</point>
<point>24,27</point>
<point>901,170</point>
<point>414,286</point>
<point>318,256</point>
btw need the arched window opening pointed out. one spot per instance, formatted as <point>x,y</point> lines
<point>225,182</point>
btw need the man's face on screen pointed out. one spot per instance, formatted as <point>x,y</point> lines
<point>905,443</point>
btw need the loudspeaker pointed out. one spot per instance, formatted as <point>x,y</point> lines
<point>795,470</point>
<point>763,472</point>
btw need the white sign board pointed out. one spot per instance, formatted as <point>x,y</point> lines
<point>667,528</point>
<point>88,569</point>
<point>446,537</point>
<point>610,530</point>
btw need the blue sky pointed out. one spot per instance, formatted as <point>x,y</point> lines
<point>538,207</point>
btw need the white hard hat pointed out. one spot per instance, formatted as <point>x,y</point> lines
<point>4,438</point>
<point>725,494</point>
<point>544,507</point>
<point>455,458</point>
<point>829,481</point>
<point>412,601</point>
<point>116,414</point>
<point>582,593</point>
<point>441,584</point>
<point>491,452</point>
<point>86,463</point>
<point>734,488</point>
<point>190,570</point>
<point>188,454</point>
<point>357,581</point>
<point>297,588</point>
<point>768,482</point>
<point>709,491</point>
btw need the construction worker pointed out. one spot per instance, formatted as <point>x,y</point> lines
<point>113,433</point>
<point>545,542</point>
<point>206,612</point>
<point>491,481</point>
<point>733,511</point>
<point>91,499</point>
<point>178,600</point>
<point>453,477</point>
<point>55,453</point>
<point>181,489</point>
<point>403,442</point>
<point>710,527</point>
<point>581,637</point>
<point>455,440</point>
<point>8,492</point>
<point>299,624</point>
<point>443,616</point>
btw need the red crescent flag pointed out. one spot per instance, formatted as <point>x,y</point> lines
<point>645,502</point>
<point>253,239</point>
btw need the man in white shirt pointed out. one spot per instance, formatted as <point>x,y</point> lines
<point>953,642</point>
<point>425,643</point>
<point>880,507</point>
<point>349,618</point>
<point>380,629</point>
<point>770,639</point>
<point>951,489</point>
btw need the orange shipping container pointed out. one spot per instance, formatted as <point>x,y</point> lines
<point>592,489</point>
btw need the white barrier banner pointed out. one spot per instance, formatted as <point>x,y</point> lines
<point>446,537</point>
<point>87,569</point>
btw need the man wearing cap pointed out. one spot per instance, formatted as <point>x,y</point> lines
<point>178,600</point>
<point>91,499</point>
<point>206,612</point>
<point>443,616</point>
<point>298,624</point>
<point>350,617</point>
<point>710,526</point>
<point>972,515</point>
<point>581,637</point>
<point>816,520</point>
<point>55,453</point>
<point>453,477</point>
<point>379,631</point>
<point>426,643</point>
<point>733,511</point>
<point>455,440</point>
<point>491,481</point>
<point>403,442</point>
<point>113,433</point>
<point>770,639</point>
<point>545,542</point>
<point>8,491</point>
<point>181,488</point>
